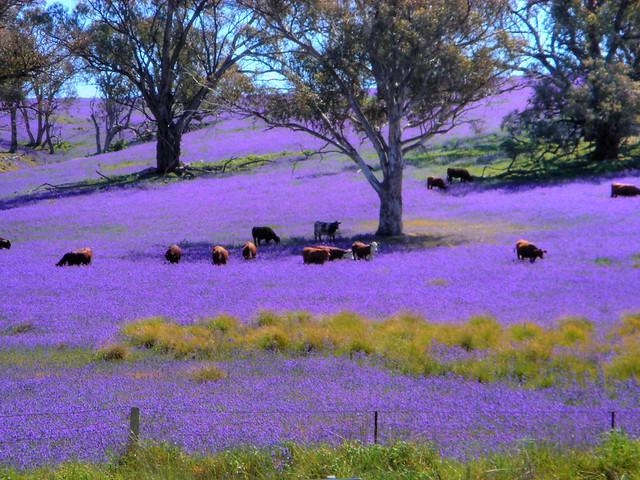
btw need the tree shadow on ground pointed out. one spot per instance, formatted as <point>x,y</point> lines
<point>200,252</point>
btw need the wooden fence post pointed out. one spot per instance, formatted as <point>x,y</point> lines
<point>613,420</point>
<point>134,428</point>
<point>375,427</point>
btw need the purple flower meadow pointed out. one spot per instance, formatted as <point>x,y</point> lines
<point>268,400</point>
<point>468,267</point>
<point>460,262</point>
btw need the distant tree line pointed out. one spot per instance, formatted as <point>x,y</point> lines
<point>388,74</point>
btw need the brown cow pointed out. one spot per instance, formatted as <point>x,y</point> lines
<point>219,255</point>
<point>624,190</point>
<point>249,250</point>
<point>81,256</point>
<point>363,250</point>
<point>315,255</point>
<point>336,253</point>
<point>264,233</point>
<point>528,250</point>
<point>4,243</point>
<point>461,173</point>
<point>435,182</point>
<point>173,254</point>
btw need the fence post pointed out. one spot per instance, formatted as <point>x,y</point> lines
<point>375,427</point>
<point>134,428</point>
<point>613,420</point>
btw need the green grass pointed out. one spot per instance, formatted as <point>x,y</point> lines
<point>524,354</point>
<point>117,166</point>
<point>465,152</point>
<point>487,157</point>
<point>47,357</point>
<point>617,457</point>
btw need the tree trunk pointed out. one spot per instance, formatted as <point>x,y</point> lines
<point>390,223</point>
<point>48,140</point>
<point>13,148</point>
<point>168,149</point>
<point>607,145</point>
<point>27,126</point>
<point>97,127</point>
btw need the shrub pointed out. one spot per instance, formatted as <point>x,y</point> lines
<point>208,373</point>
<point>272,339</point>
<point>574,330</point>
<point>113,352</point>
<point>267,318</point>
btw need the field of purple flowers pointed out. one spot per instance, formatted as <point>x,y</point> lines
<point>458,262</point>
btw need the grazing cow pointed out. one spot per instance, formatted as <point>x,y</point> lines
<point>435,182</point>
<point>264,233</point>
<point>325,228</point>
<point>4,243</point>
<point>219,255</point>
<point>315,255</point>
<point>624,190</point>
<point>249,250</point>
<point>461,173</point>
<point>362,250</point>
<point>336,253</point>
<point>528,250</point>
<point>173,254</point>
<point>81,256</point>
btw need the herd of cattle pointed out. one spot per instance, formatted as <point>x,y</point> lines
<point>319,254</point>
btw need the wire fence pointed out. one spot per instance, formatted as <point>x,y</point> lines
<point>36,438</point>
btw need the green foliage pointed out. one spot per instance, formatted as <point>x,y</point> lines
<point>465,152</point>
<point>615,457</point>
<point>602,261</point>
<point>118,145</point>
<point>586,90</point>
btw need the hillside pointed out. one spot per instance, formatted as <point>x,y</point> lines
<point>445,332</point>
<point>230,137</point>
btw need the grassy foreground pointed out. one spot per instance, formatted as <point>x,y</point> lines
<point>616,457</point>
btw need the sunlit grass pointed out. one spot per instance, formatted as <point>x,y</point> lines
<point>208,373</point>
<point>616,457</point>
<point>480,348</point>
<point>118,166</point>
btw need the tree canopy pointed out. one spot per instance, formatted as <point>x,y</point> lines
<point>391,73</point>
<point>583,57</point>
<point>174,52</point>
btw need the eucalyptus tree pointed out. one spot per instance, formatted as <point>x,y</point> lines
<point>51,89</point>
<point>391,73</point>
<point>117,100</point>
<point>583,58</point>
<point>17,56</point>
<point>175,52</point>
<point>20,61</point>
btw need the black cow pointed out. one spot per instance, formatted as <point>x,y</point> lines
<point>325,228</point>
<point>264,233</point>
<point>461,173</point>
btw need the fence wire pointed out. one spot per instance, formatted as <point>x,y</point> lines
<point>36,438</point>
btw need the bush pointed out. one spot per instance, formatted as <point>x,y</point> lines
<point>208,373</point>
<point>113,352</point>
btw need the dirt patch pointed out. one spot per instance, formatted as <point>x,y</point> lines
<point>15,161</point>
